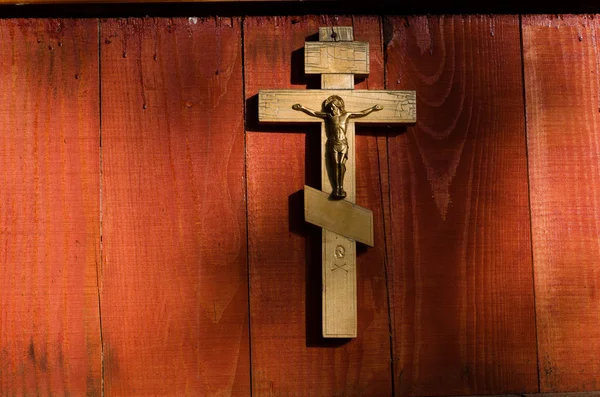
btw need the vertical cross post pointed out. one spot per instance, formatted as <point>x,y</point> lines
<point>337,58</point>
<point>338,252</point>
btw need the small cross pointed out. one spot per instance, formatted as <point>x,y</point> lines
<point>337,58</point>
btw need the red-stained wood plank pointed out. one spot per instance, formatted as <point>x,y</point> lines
<point>461,272</point>
<point>288,354</point>
<point>49,208</point>
<point>562,69</point>
<point>174,287</point>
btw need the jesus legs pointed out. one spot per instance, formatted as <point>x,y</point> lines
<point>339,166</point>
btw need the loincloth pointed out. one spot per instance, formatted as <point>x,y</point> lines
<point>337,146</point>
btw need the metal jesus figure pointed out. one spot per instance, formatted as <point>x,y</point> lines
<point>336,121</point>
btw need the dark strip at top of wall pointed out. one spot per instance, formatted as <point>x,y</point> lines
<point>107,8</point>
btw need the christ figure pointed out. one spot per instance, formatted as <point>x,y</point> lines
<point>336,121</point>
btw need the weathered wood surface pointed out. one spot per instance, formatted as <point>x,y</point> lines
<point>337,80</point>
<point>284,260</point>
<point>336,57</point>
<point>276,105</point>
<point>339,216</point>
<point>338,252</point>
<point>173,275</point>
<point>49,218</point>
<point>174,285</point>
<point>336,33</point>
<point>461,273</point>
<point>562,81</point>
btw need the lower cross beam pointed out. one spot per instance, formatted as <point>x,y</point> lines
<point>339,216</point>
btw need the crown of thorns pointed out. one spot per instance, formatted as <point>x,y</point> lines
<point>333,99</point>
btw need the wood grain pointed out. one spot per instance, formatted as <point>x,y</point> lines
<point>398,106</point>
<point>562,69</point>
<point>461,272</point>
<point>174,291</point>
<point>336,57</point>
<point>335,33</point>
<point>339,216</point>
<point>49,208</point>
<point>338,252</point>
<point>288,357</point>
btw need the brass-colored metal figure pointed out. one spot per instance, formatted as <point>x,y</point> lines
<point>336,121</point>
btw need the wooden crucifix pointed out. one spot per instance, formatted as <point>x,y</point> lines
<point>337,106</point>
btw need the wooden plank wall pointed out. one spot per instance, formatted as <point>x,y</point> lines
<point>151,230</point>
<point>562,76</point>
<point>49,207</point>
<point>174,291</point>
<point>461,278</point>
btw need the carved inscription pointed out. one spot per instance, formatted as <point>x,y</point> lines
<point>336,57</point>
<point>339,267</point>
<point>268,106</point>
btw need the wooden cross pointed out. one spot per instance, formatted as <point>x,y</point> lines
<point>337,58</point>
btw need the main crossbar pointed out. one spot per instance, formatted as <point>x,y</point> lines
<point>276,105</point>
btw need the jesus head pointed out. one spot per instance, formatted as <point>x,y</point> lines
<point>334,104</point>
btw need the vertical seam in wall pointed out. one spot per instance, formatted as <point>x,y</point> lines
<point>383,203</point>
<point>99,264</point>
<point>523,82</point>
<point>243,49</point>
